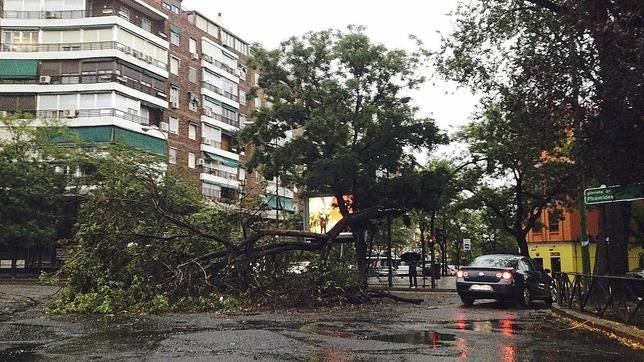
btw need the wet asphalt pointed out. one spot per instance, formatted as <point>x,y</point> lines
<point>438,329</point>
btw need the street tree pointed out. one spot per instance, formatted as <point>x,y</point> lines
<point>31,192</point>
<point>342,98</point>
<point>523,165</point>
<point>579,60</point>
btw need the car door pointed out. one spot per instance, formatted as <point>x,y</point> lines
<point>534,278</point>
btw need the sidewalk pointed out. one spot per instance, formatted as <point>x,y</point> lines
<point>401,283</point>
<point>632,334</point>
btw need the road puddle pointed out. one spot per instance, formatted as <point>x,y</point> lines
<point>431,338</point>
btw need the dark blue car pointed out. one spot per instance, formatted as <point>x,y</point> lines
<point>503,277</point>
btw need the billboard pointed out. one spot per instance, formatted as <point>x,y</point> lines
<point>324,212</point>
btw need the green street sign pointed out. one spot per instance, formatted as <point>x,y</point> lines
<point>608,194</point>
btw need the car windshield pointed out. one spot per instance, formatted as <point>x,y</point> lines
<point>494,261</point>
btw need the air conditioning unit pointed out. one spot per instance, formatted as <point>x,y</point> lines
<point>194,56</point>
<point>44,79</point>
<point>174,104</point>
<point>201,161</point>
<point>208,113</point>
<point>127,50</point>
<point>50,15</point>
<point>207,58</point>
<point>205,140</point>
<point>148,58</point>
<point>69,113</point>
<point>165,127</point>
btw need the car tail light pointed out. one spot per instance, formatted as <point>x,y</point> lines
<point>507,275</point>
<point>459,274</point>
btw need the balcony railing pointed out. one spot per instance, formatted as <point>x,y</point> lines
<point>210,113</point>
<point>220,91</point>
<point>61,14</point>
<point>219,64</point>
<point>219,173</point>
<point>92,113</point>
<point>90,78</point>
<point>58,14</point>
<point>85,46</point>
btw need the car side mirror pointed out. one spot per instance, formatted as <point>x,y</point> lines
<point>547,271</point>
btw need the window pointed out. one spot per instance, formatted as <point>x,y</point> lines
<point>192,131</point>
<point>553,221</point>
<point>192,46</point>
<point>258,103</point>
<point>191,160</point>
<point>192,75</point>
<point>174,65</point>
<point>174,97</point>
<point>172,156</point>
<point>174,125</point>
<point>242,97</point>
<point>193,101</point>
<point>175,35</point>
<point>146,24</point>
<point>211,191</point>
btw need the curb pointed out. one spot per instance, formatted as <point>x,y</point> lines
<point>633,334</point>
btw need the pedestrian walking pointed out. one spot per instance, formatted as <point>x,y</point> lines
<point>413,283</point>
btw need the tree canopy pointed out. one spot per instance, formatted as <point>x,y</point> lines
<point>577,62</point>
<point>339,122</point>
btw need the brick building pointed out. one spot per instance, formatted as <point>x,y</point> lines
<point>145,72</point>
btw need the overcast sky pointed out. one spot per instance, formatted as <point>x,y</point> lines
<point>387,22</point>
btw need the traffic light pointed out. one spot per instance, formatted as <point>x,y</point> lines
<point>431,240</point>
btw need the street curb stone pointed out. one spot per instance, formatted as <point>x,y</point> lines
<point>631,333</point>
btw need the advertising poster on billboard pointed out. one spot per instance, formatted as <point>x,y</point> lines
<point>324,212</point>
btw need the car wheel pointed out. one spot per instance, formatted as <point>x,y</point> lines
<point>526,298</point>
<point>467,301</point>
<point>549,300</point>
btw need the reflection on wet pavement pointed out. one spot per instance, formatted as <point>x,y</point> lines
<point>432,338</point>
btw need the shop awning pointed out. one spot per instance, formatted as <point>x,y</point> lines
<point>18,68</point>
<point>108,134</point>
<point>221,159</point>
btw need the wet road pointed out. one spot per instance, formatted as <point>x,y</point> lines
<point>439,329</point>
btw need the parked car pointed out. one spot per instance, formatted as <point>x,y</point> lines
<point>503,277</point>
<point>451,269</point>
<point>403,269</point>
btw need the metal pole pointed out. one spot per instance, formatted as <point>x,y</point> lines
<point>585,245</point>
<point>431,249</point>
<point>422,245</point>
<point>390,274</point>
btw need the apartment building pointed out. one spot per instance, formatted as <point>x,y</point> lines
<point>146,72</point>
<point>99,66</point>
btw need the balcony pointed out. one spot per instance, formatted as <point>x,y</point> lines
<point>209,169</point>
<point>229,121</point>
<point>87,46</point>
<point>220,65</point>
<point>220,91</point>
<point>91,78</point>
<point>155,15</point>
<point>61,14</point>
<point>92,114</point>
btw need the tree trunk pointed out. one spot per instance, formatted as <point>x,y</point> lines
<point>361,253</point>
<point>617,134</point>
<point>522,243</point>
<point>612,246</point>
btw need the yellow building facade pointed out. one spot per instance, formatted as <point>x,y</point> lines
<point>555,243</point>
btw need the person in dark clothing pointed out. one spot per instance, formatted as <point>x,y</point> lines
<point>412,273</point>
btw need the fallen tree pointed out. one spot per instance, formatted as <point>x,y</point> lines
<point>146,241</point>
